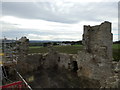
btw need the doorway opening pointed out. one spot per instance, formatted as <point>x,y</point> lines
<point>75,66</point>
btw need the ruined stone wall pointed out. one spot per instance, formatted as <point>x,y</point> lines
<point>23,46</point>
<point>48,60</point>
<point>95,61</point>
<point>59,60</point>
<point>98,40</point>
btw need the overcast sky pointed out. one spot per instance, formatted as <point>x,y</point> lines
<point>56,19</point>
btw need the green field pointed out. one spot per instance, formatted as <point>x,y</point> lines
<point>116,46</point>
<point>38,49</point>
<point>72,50</point>
<point>63,49</point>
<point>116,52</point>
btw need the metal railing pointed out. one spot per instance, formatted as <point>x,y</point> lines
<point>19,85</point>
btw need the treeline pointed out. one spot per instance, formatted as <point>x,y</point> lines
<point>36,44</point>
<point>54,43</point>
<point>73,42</point>
<point>116,42</point>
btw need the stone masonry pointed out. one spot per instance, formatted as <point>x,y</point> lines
<point>98,40</point>
<point>95,61</point>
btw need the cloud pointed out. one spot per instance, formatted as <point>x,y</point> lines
<point>60,0</point>
<point>64,12</point>
<point>57,19</point>
<point>8,27</point>
<point>42,30</point>
<point>52,37</point>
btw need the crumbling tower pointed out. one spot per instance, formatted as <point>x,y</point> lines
<point>95,59</point>
<point>98,40</point>
<point>22,46</point>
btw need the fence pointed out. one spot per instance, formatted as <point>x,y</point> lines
<point>19,85</point>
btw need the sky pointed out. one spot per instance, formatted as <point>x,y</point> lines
<point>57,20</point>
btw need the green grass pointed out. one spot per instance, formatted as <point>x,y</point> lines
<point>69,49</point>
<point>63,49</point>
<point>116,46</point>
<point>116,52</point>
<point>38,49</point>
<point>35,47</point>
<point>72,50</point>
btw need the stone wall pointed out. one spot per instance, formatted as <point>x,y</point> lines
<point>98,40</point>
<point>95,60</point>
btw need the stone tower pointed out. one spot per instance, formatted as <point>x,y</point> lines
<point>98,40</point>
<point>95,59</point>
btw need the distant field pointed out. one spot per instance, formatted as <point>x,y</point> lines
<point>116,52</point>
<point>116,46</point>
<point>38,49</point>
<point>72,50</point>
<point>63,49</point>
<point>35,47</point>
<point>69,49</point>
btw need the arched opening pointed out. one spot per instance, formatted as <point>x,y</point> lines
<point>75,66</point>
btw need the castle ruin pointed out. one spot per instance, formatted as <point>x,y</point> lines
<point>93,62</point>
<point>98,40</point>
